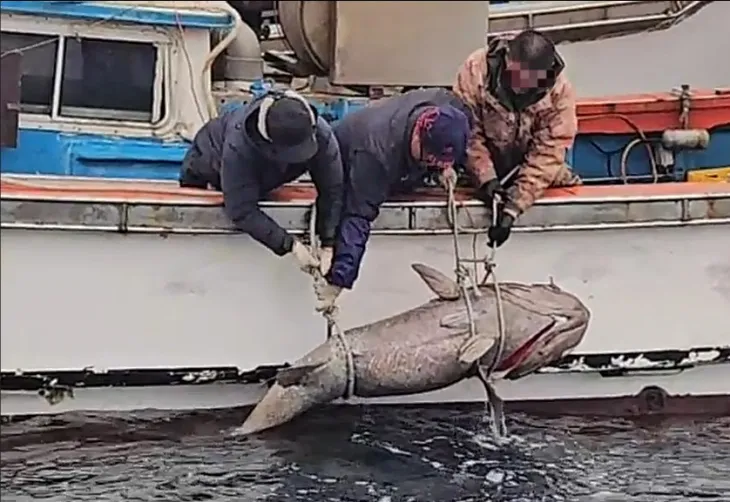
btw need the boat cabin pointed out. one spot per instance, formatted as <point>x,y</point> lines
<point>102,89</point>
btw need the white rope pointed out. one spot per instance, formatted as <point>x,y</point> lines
<point>465,278</point>
<point>496,407</point>
<point>333,327</point>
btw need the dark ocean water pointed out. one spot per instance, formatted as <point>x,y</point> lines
<point>379,454</point>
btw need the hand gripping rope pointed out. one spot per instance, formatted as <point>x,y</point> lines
<point>330,315</point>
<point>466,279</point>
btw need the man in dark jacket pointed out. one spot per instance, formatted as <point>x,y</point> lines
<point>387,148</point>
<point>250,151</point>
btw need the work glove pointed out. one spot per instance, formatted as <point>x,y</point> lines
<point>303,255</point>
<point>448,177</point>
<point>325,260</point>
<point>489,190</point>
<point>499,233</point>
<point>326,295</point>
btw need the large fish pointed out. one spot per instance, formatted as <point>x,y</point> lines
<point>429,347</point>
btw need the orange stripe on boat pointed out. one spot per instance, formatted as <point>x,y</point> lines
<point>652,112</point>
<point>167,193</point>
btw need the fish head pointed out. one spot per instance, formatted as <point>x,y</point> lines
<point>541,322</point>
<point>317,378</point>
<point>559,323</point>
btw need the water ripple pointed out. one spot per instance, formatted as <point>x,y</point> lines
<point>379,454</point>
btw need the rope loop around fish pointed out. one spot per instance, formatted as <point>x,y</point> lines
<point>465,279</point>
<point>333,326</point>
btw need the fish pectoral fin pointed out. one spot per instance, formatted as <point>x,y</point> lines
<point>475,348</point>
<point>460,319</point>
<point>457,320</point>
<point>293,375</point>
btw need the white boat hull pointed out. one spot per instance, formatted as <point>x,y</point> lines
<point>547,393</point>
<point>74,300</point>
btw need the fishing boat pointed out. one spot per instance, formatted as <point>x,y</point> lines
<point>122,291</point>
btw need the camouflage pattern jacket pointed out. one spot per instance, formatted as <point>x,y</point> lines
<point>529,134</point>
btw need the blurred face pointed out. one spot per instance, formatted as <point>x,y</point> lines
<point>439,163</point>
<point>523,79</point>
<point>430,160</point>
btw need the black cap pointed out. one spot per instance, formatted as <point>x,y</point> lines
<point>288,125</point>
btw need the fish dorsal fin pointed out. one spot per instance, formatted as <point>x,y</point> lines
<point>293,375</point>
<point>442,286</point>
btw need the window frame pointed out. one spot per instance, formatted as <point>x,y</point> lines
<point>44,110</point>
<point>162,83</point>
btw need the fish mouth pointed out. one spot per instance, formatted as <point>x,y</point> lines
<point>511,364</point>
<point>547,346</point>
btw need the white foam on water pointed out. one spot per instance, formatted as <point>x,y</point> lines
<point>392,449</point>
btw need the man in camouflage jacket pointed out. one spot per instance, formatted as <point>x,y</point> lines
<point>524,113</point>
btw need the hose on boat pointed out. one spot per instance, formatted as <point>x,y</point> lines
<point>217,51</point>
<point>641,140</point>
<point>205,82</point>
<point>468,284</point>
<point>625,151</point>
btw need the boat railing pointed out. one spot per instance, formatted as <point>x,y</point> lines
<point>580,20</point>
<point>154,207</point>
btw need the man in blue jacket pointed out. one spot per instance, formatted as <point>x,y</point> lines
<point>250,151</point>
<point>387,148</point>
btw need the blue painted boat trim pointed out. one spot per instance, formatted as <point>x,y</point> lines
<point>594,157</point>
<point>89,155</point>
<point>120,13</point>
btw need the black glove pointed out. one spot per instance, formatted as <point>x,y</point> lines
<point>499,233</point>
<point>488,190</point>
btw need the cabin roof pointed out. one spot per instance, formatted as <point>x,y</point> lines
<point>203,15</point>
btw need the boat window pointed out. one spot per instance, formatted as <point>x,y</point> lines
<point>38,65</point>
<point>108,79</point>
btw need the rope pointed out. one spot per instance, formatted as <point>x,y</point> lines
<point>463,276</point>
<point>333,326</point>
